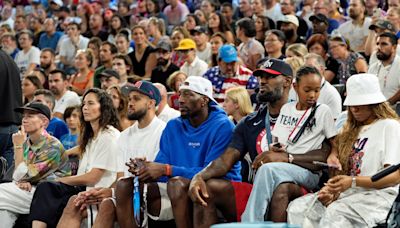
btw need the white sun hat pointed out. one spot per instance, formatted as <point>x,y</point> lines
<point>363,89</point>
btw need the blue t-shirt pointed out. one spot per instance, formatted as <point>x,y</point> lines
<point>189,149</point>
<point>57,128</point>
<point>49,42</point>
<point>69,140</point>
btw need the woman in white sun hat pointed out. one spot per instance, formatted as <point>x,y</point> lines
<point>366,144</point>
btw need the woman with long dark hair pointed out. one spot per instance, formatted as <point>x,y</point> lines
<point>217,40</point>
<point>30,84</point>
<point>216,23</point>
<point>98,160</point>
<point>118,23</point>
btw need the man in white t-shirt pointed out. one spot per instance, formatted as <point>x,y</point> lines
<point>29,57</point>
<point>356,30</point>
<point>141,140</point>
<point>203,47</point>
<point>164,112</point>
<point>387,67</point>
<point>65,98</point>
<point>70,45</point>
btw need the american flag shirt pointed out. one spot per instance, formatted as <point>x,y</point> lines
<point>244,77</point>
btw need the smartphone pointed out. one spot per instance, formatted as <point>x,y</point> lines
<point>325,164</point>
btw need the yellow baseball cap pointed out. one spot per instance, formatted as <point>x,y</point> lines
<point>186,44</point>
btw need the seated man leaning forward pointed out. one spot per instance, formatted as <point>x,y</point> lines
<point>251,137</point>
<point>38,156</point>
<point>188,144</point>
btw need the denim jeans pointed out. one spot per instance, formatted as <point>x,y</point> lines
<point>6,145</point>
<point>267,179</point>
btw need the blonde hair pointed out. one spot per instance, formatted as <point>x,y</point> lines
<point>159,23</point>
<point>240,96</point>
<point>351,129</point>
<point>295,63</point>
<point>300,50</point>
<point>171,79</point>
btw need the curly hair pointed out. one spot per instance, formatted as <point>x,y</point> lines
<point>108,117</point>
<point>351,129</point>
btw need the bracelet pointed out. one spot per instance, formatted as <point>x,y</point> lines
<point>290,158</point>
<point>168,170</point>
<point>18,146</point>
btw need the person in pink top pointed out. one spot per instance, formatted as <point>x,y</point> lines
<point>176,12</point>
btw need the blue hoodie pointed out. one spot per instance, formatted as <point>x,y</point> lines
<point>188,149</point>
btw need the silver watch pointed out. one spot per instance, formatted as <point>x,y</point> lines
<point>353,182</point>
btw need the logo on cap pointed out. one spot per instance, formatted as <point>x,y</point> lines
<point>268,64</point>
<point>138,84</point>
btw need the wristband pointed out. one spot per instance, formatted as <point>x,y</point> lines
<point>353,182</point>
<point>168,170</point>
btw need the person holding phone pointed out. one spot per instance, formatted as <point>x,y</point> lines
<point>366,144</point>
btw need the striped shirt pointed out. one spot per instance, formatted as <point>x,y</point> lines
<point>244,77</point>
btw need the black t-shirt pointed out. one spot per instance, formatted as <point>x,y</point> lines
<point>10,91</point>
<point>103,35</point>
<point>157,75</point>
<point>333,65</point>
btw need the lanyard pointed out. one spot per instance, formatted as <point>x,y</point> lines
<point>268,127</point>
<point>386,75</point>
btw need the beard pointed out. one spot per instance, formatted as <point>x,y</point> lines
<point>138,115</point>
<point>162,62</point>
<point>270,96</point>
<point>289,33</point>
<point>7,50</point>
<point>382,56</point>
<point>45,66</point>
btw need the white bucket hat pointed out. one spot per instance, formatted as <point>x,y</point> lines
<point>363,89</point>
<point>199,85</point>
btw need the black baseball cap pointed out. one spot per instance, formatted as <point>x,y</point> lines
<point>319,17</point>
<point>199,29</point>
<point>108,73</point>
<point>36,107</point>
<point>273,67</point>
<point>383,24</point>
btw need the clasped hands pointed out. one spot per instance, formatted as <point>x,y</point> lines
<point>275,154</point>
<point>146,170</point>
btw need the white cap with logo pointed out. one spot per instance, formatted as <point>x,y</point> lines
<point>199,85</point>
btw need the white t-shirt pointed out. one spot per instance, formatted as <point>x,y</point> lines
<point>197,68</point>
<point>354,33</point>
<point>274,13</point>
<point>205,55</point>
<point>139,143</point>
<point>67,49</point>
<point>70,98</point>
<point>389,78</point>
<point>168,113</point>
<point>373,59</point>
<point>328,95</point>
<point>23,60</point>
<point>322,126</point>
<point>101,153</point>
<point>376,146</point>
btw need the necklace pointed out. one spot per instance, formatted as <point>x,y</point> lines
<point>386,75</point>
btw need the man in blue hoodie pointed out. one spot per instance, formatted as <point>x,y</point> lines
<point>188,144</point>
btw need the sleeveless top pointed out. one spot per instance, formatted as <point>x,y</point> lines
<point>139,67</point>
<point>82,85</point>
<point>347,68</point>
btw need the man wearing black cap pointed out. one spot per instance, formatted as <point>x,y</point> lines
<point>375,29</point>
<point>38,156</point>
<point>108,78</point>
<point>320,24</point>
<point>250,145</point>
<point>164,67</point>
<point>203,47</point>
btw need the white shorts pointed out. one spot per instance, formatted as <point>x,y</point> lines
<point>166,207</point>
